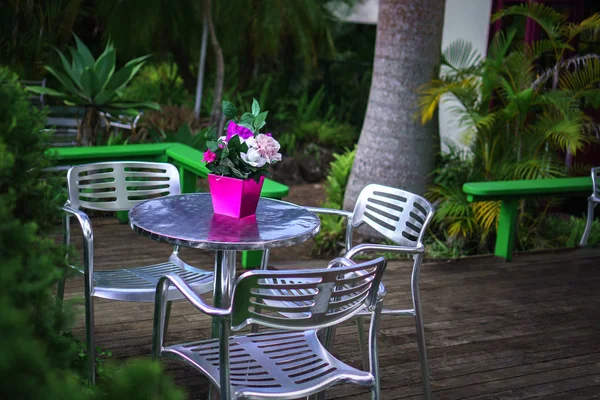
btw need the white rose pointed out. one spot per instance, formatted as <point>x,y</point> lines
<point>253,158</point>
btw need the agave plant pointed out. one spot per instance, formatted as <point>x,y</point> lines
<point>94,84</point>
<point>514,116</point>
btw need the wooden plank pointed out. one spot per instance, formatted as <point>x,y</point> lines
<point>494,330</point>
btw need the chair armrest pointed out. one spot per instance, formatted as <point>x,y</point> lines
<point>361,248</point>
<point>88,242</point>
<point>330,211</point>
<point>84,222</point>
<point>189,294</point>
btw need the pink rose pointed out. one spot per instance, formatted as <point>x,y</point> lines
<point>268,148</point>
<point>209,156</point>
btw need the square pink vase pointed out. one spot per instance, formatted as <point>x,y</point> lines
<point>234,197</point>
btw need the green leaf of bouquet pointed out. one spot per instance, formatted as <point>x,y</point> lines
<point>260,119</point>
<point>247,125</point>
<point>255,107</point>
<point>229,109</point>
<point>212,145</point>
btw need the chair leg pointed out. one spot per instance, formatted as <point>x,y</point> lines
<point>60,290</point>
<point>167,316</point>
<point>89,337</point>
<point>362,342</point>
<point>588,224</point>
<point>422,352</point>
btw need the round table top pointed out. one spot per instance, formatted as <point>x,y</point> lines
<point>188,220</point>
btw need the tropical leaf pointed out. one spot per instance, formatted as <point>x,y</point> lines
<point>45,90</point>
<point>104,97</point>
<point>67,68</point>
<point>138,60</point>
<point>105,66</point>
<point>460,55</point>
<point>565,131</point>
<point>583,78</point>
<point>537,48</point>
<point>76,64</point>
<point>486,214</point>
<point>590,23</point>
<point>64,80</point>
<point>89,83</point>
<point>139,104</point>
<point>549,19</point>
<point>86,56</point>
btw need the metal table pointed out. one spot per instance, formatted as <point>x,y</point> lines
<point>188,220</point>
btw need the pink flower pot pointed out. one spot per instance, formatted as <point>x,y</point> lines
<point>234,197</point>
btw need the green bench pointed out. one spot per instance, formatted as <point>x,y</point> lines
<point>510,192</point>
<point>187,159</point>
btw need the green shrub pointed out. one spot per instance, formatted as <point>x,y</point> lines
<point>332,227</point>
<point>559,231</point>
<point>35,361</point>
<point>159,82</point>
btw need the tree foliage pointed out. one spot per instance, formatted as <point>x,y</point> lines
<point>35,361</point>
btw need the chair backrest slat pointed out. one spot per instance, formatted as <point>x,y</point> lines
<point>118,186</point>
<point>305,299</point>
<point>398,215</point>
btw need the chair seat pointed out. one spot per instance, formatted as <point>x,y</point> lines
<point>273,364</point>
<point>139,284</point>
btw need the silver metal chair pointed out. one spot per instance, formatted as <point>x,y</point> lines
<point>117,186</point>
<point>289,362</point>
<point>593,201</point>
<point>401,217</point>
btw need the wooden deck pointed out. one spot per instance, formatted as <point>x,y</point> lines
<point>526,329</point>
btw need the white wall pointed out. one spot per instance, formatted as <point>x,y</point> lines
<point>463,19</point>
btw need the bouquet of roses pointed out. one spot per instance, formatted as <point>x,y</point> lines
<point>243,152</point>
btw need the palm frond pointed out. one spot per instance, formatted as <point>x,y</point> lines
<point>486,214</point>
<point>565,131</point>
<point>549,19</point>
<point>431,94</point>
<point>500,44</point>
<point>590,23</point>
<point>538,48</point>
<point>460,55</point>
<point>538,168</point>
<point>586,76</point>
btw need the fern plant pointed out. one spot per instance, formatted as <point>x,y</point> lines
<point>333,227</point>
<point>512,115</point>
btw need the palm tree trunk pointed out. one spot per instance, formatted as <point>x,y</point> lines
<point>216,115</point>
<point>394,149</point>
<point>88,127</point>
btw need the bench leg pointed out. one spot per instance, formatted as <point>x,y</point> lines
<point>251,259</point>
<point>187,180</point>
<point>123,216</point>
<point>507,226</point>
